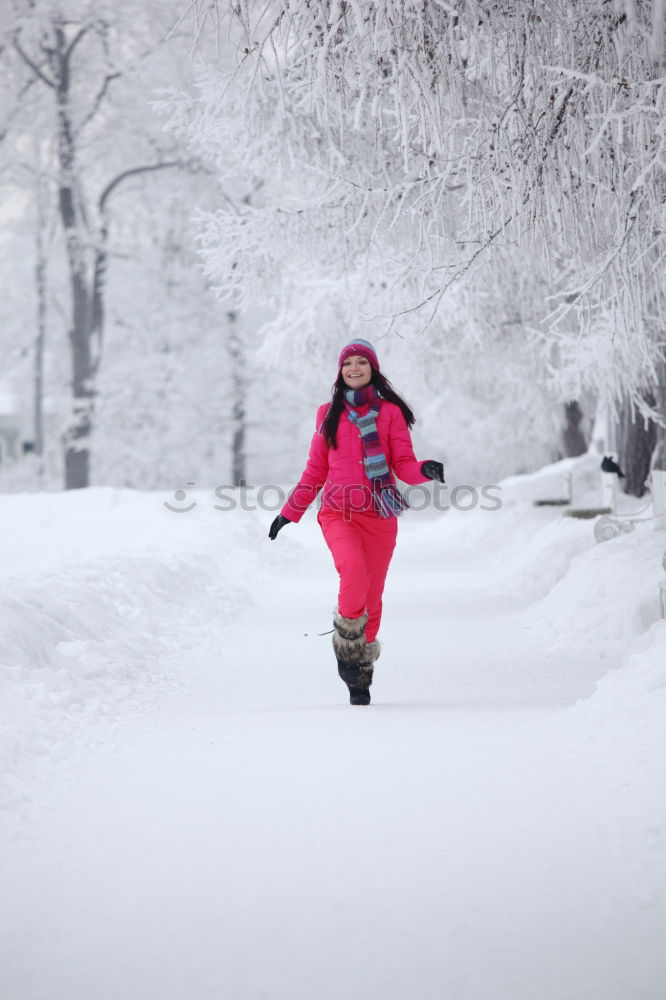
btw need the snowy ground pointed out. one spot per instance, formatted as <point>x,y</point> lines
<point>191,810</point>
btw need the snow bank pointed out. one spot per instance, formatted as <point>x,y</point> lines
<point>100,593</point>
<point>599,599</point>
<point>79,643</point>
<point>634,694</point>
<point>596,596</point>
<point>608,596</point>
<point>604,603</point>
<point>583,601</point>
<point>509,557</point>
<point>615,740</point>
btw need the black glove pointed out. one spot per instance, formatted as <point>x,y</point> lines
<point>278,523</point>
<point>433,470</point>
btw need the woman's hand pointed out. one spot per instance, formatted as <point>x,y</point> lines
<point>433,470</point>
<point>277,524</point>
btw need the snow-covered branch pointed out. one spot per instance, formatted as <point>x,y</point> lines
<point>402,132</point>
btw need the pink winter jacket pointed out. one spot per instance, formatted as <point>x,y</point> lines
<point>341,472</point>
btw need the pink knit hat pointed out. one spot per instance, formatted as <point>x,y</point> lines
<point>361,347</point>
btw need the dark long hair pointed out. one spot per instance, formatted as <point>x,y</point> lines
<point>384,388</point>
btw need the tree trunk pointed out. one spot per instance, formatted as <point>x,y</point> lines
<point>236,350</point>
<point>636,439</point>
<point>76,439</point>
<point>572,436</point>
<point>40,338</point>
<point>87,267</point>
<point>659,459</point>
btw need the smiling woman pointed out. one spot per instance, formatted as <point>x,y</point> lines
<point>355,461</point>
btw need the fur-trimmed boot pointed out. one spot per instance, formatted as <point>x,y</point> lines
<point>360,695</point>
<point>355,656</point>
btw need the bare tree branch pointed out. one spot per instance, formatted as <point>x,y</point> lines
<point>75,41</point>
<point>33,65</point>
<point>132,172</point>
<point>98,100</point>
<point>17,106</point>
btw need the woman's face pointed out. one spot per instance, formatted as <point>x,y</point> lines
<point>356,371</point>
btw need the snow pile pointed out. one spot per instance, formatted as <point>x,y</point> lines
<point>609,595</point>
<point>533,551</point>
<point>508,557</point>
<point>615,740</point>
<point>582,601</point>
<point>112,590</point>
<point>633,697</point>
<point>84,641</point>
<point>593,596</point>
<point>606,606</point>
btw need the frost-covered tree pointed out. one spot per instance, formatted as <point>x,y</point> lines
<point>414,152</point>
<point>71,69</point>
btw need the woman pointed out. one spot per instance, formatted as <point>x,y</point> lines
<point>362,438</point>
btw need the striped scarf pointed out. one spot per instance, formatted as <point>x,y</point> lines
<point>386,497</point>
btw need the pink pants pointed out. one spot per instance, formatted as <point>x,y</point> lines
<point>361,545</point>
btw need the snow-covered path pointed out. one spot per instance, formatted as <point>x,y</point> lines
<point>245,834</point>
